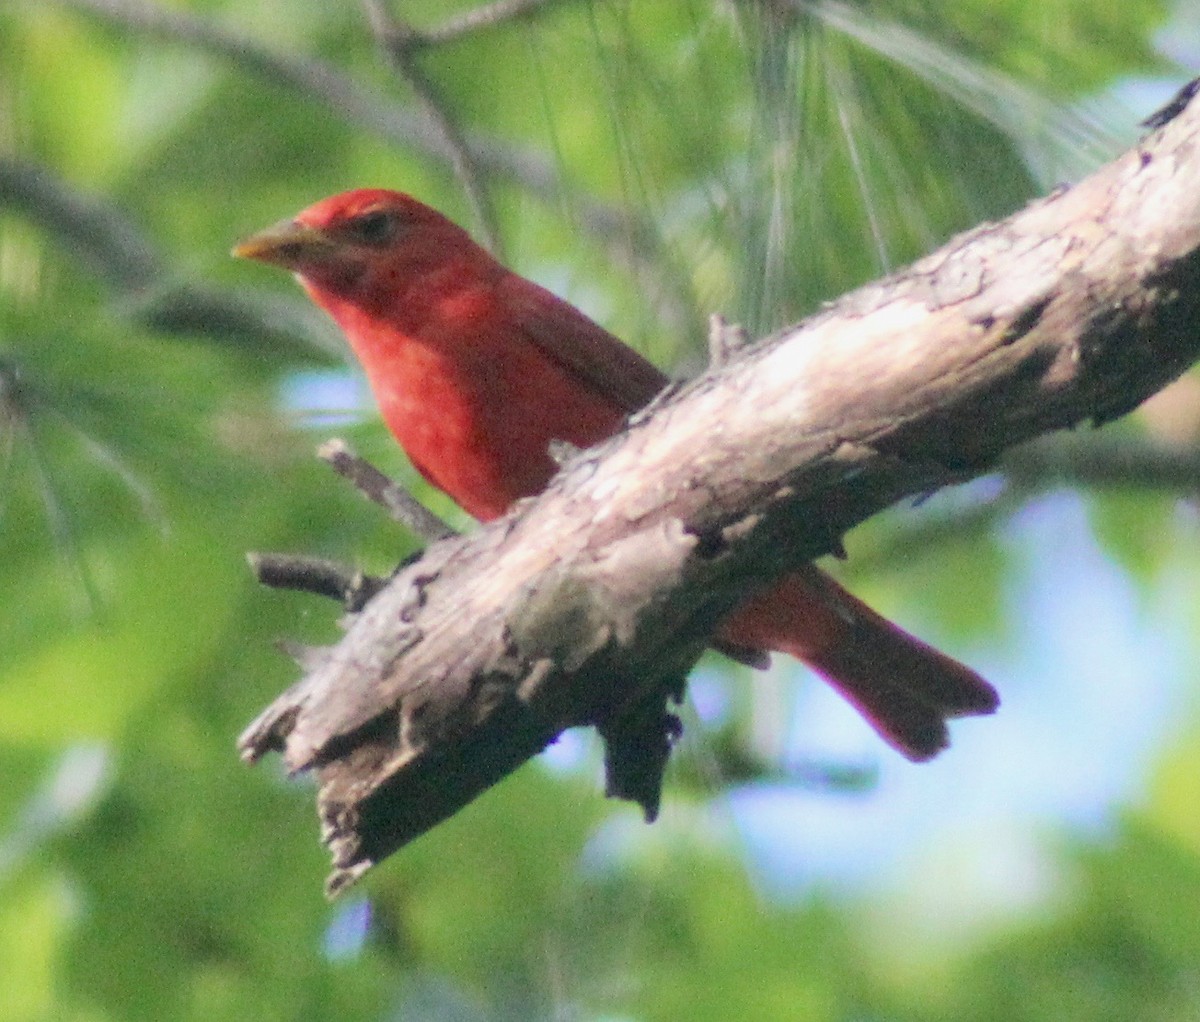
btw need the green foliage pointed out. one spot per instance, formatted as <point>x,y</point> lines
<point>1125,949</point>
<point>652,162</point>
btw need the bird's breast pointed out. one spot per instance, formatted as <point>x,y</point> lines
<point>476,410</point>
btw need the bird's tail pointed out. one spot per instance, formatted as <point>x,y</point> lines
<point>905,688</point>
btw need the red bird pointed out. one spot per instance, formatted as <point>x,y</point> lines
<point>476,370</point>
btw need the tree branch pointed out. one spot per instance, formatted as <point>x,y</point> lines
<point>589,603</point>
<point>400,505</point>
<point>1106,462</point>
<point>633,240</point>
<point>487,16</point>
<point>399,42</point>
<point>316,575</point>
<point>111,246</point>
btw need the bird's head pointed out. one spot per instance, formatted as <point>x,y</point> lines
<point>341,243</point>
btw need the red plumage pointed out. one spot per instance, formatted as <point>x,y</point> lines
<point>476,370</point>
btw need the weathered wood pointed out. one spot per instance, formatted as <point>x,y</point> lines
<point>588,604</point>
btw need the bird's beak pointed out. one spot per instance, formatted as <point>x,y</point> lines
<point>288,244</point>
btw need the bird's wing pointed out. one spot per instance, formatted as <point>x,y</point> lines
<point>607,365</point>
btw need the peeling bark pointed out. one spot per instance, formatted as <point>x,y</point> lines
<point>588,604</point>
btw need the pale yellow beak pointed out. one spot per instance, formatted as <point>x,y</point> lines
<point>288,244</point>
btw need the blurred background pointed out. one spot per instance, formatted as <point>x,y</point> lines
<point>652,162</point>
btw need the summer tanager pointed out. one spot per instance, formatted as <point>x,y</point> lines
<point>477,370</point>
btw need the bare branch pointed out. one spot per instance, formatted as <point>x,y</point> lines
<point>311,78</point>
<point>635,241</point>
<point>398,42</point>
<point>99,236</point>
<point>316,575</point>
<point>375,486</point>
<point>1105,462</point>
<point>487,16</point>
<point>112,247</point>
<point>1095,461</point>
<point>725,339</point>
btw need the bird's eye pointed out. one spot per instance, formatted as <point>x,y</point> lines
<point>377,227</point>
